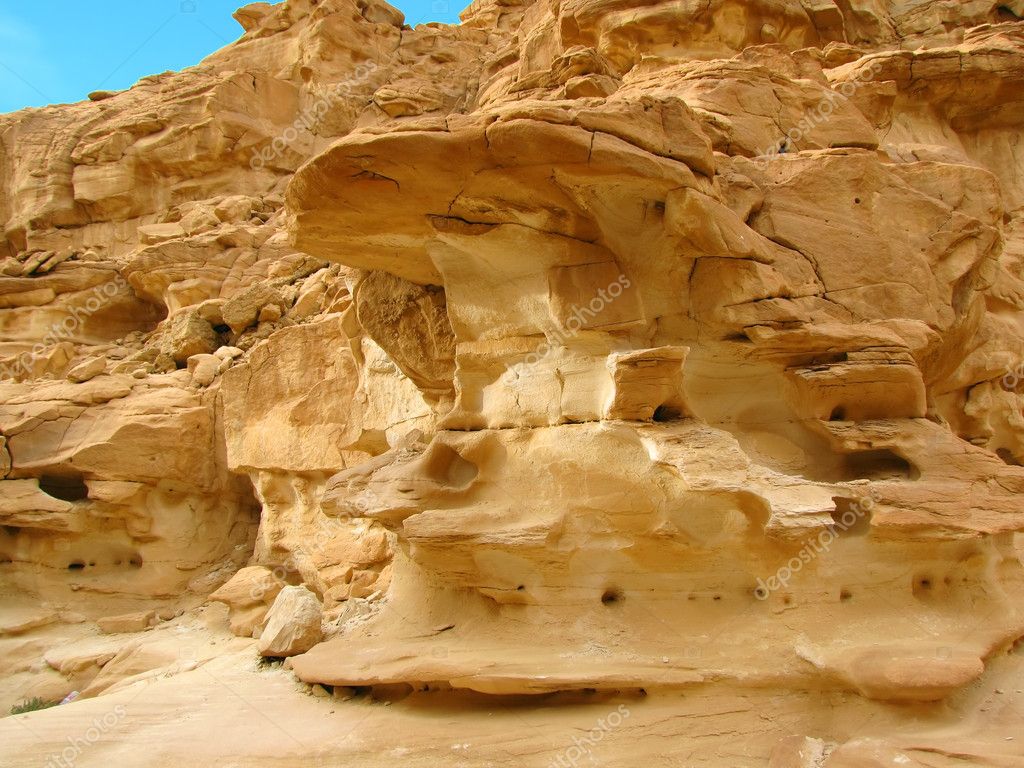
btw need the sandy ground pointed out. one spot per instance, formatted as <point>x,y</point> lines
<point>230,713</point>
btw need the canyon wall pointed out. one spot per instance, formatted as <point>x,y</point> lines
<point>663,359</point>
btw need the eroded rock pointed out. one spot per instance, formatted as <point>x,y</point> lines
<point>293,623</point>
<point>583,349</point>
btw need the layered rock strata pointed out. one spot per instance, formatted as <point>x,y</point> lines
<point>584,357</point>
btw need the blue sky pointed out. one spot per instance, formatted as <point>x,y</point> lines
<point>57,51</point>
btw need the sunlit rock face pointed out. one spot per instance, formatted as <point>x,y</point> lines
<point>588,355</point>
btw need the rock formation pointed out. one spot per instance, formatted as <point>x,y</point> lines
<point>606,383</point>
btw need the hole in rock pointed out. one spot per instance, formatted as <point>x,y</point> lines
<point>845,595</point>
<point>786,599</point>
<point>520,588</point>
<point>65,488</point>
<point>856,201</point>
<point>222,329</point>
<point>1004,13</point>
<point>135,561</point>
<point>612,596</point>
<point>879,464</point>
<point>666,413</point>
<point>838,414</point>
<point>850,517</point>
<point>12,530</point>
<point>78,565</point>
<point>445,465</point>
<point>922,586</point>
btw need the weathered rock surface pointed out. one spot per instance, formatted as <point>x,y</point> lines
<point>648,371</point>
<point>248,595</point>
<point>293,623</point>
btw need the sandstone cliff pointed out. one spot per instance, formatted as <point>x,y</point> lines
<point>606,383</point>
